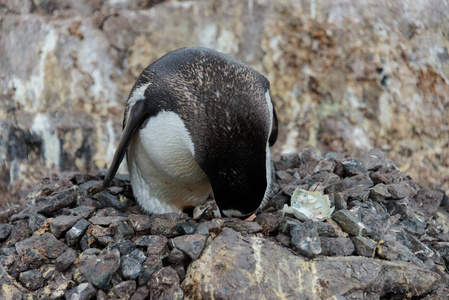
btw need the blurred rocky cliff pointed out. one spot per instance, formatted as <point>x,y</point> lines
<point>346,76</point>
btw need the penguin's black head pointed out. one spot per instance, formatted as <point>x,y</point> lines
<point>239,182</point>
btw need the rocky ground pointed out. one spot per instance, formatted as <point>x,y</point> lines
<point>387,239</point>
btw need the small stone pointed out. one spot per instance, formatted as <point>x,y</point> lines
<point>141,293</point>
<point>105,241</point>
<point>106,221</point>
<point>138,255</point>
<point>46,244</point>
<point>5,230</point>
<point>340,246</point>
<point>290,160</point>
<point>428,201</point>
<point>157,245</point>
<point>324,166</point>
<point>349,223</point>
<point>164,284</point>
<point>180,269</point>
<point>123,231</point>
<point>362,181</point>
<point>130,268</point>
<point>151,265</point>
<point>32,279</point>
<point>176,256</point>
<point>329,229</point>
<point>141,224</point>
<point>287,224</point>
<point>99,270</point>
<point>62,223</point>
<point>83,291</point>
<point>166,227</point>
<point>124,247</point>
<point>123,290</point>
<point>283,175</point>
<point>283,239</point>
<point>379,192</point>
<point>414,226</point>
<point>92,187</point>
<point>399,190</point>
<point>74,234</point>
<point>305,239</point>
<point>353,167</point>
<point>340,201</point>
<point>107,200</point>
<point>192,245</point>
<point>242,226</point>
<point>374,160</point>
<point>101,295</point>
<point>186,228</point>
<point>18,233</point>
<point>65,259</point>
<point>364,246</point>
<point>83,211</point>
<point>443,250</point>
<point>269,221</point>
<point>204,227</point>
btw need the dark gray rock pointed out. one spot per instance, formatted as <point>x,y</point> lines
<point>141,224</point>
<point>151,265</point>
<point>123,290</point>
<point>375,159</point>
<point>92,187</point>
<point>359,181</point>
<point>379,192</point>
<point>124,247</point>
<point>204,227</point>
<point>339,246</point>
<point>176,256</point>
<point>287,224</point>
<point>32,279</point>
<point>106,221</point>
<point>74,234</point>
<point>19,232</point>
<point>157,245</point>
<point>141,293</point>
<point>242,226</point>
<point>305,239</point>
<point>414,226</point>
<point>192,245</point>
<point>340,201</point>
<point>123,231</point>
<point>137,255</point>
<point>364,246</point>
<point>65,259</point>
<point>166,227</point>
<point>353,167</point>
<point>83,291</point>
<point>5,230</point>
<point>130,268</point>
<point>399,190</point>
<point>45,244</point>
<point>83,211</point>
<point>349,223</point>
<point>427,201</point>
<point>443,250</point>
<point>186,228</point>
<point>99,270</point>
<point>61,224</point>
<point>328,229</point>
<point>105,199</point>
<point>164,284</point>
<point>290,160</point>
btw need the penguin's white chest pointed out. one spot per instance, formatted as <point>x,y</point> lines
<point>164,174</point>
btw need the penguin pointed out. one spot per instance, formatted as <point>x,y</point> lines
<point>198,123</point>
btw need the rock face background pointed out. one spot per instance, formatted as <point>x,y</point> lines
<point>346,76</point>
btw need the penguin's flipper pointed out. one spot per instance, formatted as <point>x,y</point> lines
<point>138,114</point>
<point>274,129</point>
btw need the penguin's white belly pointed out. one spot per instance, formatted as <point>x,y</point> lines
<point>164,174</point>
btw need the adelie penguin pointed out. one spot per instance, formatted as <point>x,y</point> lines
<point>198,122</point>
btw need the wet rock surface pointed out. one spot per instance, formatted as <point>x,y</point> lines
<point>389,239</point>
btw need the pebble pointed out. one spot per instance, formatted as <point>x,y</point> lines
<point>105,199</point>
<point>61,224</point>
<point>45,244</point>
<point>5,230</point>
<point>32,279</point>
<point>364,246</point>
<point>305,239</point>
<point>176,256</point>
<point>399,190</point>
<point>83,291</point>
<point>349,223</point>
<point>339,246</point>
<point>123,231</point>
<point>99,270</point>
<point>140,223</point>
<point>130,267</point>
<point>192,245</point>
<point>166,227</point>
<point>353,167</point>
<point>379,192</point>
<point>74,234</point>
<point>65,259</point>
<point>186,228</point>
<point>123,290</point>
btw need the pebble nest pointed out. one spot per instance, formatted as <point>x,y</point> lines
<point>72,239</point>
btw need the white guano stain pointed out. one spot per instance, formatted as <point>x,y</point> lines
<point>52,146</point>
